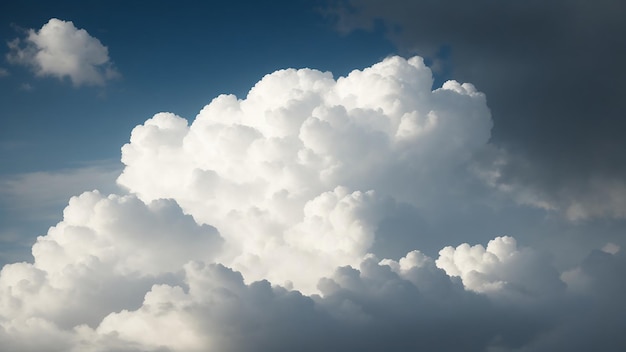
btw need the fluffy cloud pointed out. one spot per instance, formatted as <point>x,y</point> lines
<point>255,228</point>
<point>500,268</point>
<point>303,169</point>
<point>397,305</point>
<point>106,250</point>
<point>59,49</point>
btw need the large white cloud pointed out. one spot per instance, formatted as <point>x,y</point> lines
<point>254,228</point>
<point>59,49</point>
<point>300,170</point>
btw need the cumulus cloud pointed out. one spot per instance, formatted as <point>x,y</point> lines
<point>255,228</point>
<point>61,50</point>
<point>106,251</point>
<point>310,161</point>
<point>500,268</point>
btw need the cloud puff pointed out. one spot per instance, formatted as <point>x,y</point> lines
<point>500,268</point>
<point>254,228</point>
<point>59,49</point>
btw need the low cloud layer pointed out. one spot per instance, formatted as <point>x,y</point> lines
<point>259,227</point>
<point>61,50</point>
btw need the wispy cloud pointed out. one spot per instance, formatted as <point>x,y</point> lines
<point>27,87</point>
<point>49,189</point>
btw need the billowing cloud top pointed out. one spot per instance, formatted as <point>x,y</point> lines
<point>59,49</point>
<point>309,161</point>
<point>256,228</point>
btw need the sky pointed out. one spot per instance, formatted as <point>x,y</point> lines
<point>312,175</point>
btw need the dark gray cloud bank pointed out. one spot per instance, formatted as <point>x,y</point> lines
<point>361,213</point>
<point>553,73</point>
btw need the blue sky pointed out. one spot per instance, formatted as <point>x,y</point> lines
<point>170,58</point>
<point>173,59</point>
<point>390,176</point>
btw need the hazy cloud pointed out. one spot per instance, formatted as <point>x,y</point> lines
<point>59,49</point>
<point>51,189</point>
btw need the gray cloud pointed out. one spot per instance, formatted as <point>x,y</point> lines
<point>552,72</point>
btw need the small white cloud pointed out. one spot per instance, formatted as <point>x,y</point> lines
<point>4,72</point>
<point>59,49</point>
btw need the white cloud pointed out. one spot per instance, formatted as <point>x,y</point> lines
<point>251,229</point>
<point>107,251</point>
<point>4,72</point>
<point>501,269</point>
<point>59,49</point>
<point>299,170</point>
